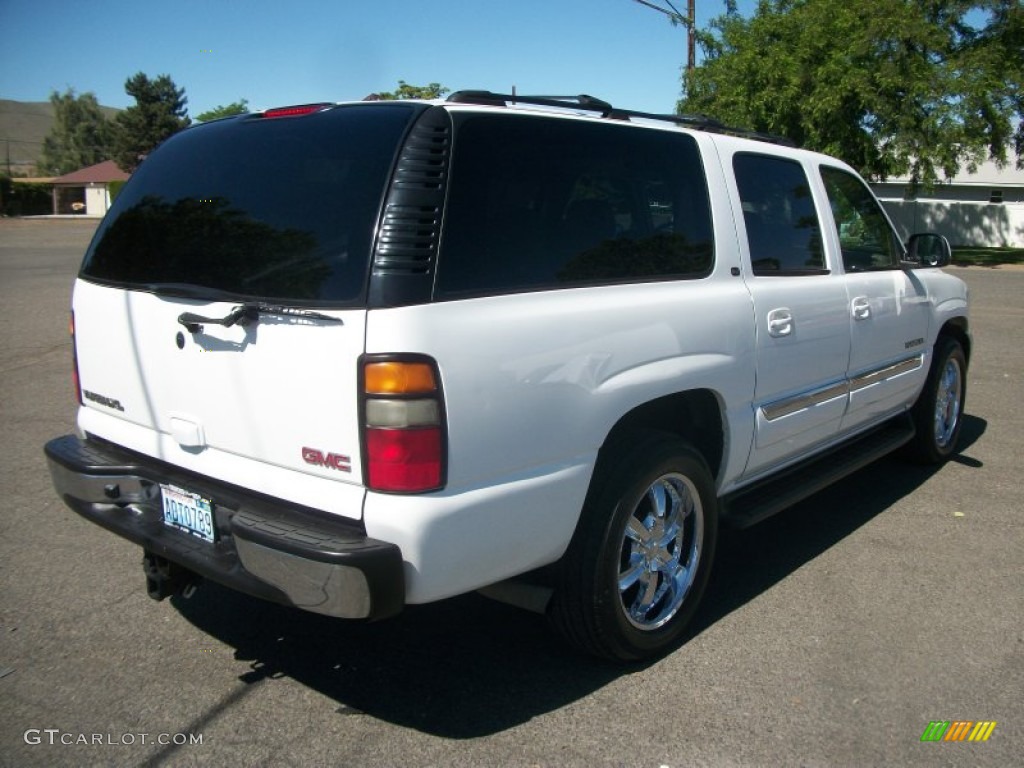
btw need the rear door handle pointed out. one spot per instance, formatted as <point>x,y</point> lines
<point>780,322</point>
<point>860,307</point>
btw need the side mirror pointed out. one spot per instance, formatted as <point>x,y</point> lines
<point>928,250</point>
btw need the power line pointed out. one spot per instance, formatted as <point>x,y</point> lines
<point>688,21</point>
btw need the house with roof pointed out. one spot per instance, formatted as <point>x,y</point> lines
<point>983,208</point>
<point>87,190</point>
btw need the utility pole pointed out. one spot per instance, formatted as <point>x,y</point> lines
<point>688,21</point>
<point>691,36</point>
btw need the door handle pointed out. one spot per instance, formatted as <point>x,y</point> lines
<point>860,307</point>
<point>780,322</point>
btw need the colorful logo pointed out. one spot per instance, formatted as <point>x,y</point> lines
<point>958,730</point>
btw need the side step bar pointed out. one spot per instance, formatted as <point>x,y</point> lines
<point>754,503</point>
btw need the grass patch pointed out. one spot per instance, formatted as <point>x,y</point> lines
<point>968,256</point>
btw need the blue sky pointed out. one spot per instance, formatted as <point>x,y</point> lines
<point>280,53</point>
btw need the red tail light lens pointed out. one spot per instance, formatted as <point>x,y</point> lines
<point>403,425</point>
<point>404,460</point>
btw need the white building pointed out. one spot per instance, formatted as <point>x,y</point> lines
<point>985,208</point>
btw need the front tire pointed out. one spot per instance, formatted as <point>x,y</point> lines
<point>938,412</point>
<point>641,556</point>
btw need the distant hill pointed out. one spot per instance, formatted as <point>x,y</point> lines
<point>23,126</point>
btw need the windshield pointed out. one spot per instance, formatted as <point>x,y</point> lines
<point>281,209</point>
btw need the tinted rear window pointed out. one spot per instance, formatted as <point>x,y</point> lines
<point>266,208</point>
<point>538,203</point>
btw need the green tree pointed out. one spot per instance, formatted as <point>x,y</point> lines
<point>406,91</point>
<point>80,136</point>
<point>159,112</point>
<point>893,87</point>
<point>992,65</point>
<point>239,107</point>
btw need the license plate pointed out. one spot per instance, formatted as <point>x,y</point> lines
<point>189,512</point>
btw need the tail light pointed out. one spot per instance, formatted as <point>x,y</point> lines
<point>74,360</point>
<point>404,437</point>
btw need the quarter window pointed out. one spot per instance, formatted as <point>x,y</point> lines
<point>537,203</point>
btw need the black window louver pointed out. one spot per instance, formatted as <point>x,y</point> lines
<point>411,224</point>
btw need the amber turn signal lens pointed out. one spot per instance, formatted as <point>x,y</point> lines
<point>399,378</point>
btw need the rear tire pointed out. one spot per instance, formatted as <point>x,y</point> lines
<point>641,556</point>
<point>938,412</point>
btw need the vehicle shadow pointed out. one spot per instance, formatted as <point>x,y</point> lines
<point>751,561</point>
<point>469,667</point>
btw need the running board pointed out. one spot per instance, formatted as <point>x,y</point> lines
<point>754,503</point>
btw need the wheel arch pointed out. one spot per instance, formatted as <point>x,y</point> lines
<point>957,328</point>
<point>694,416</point>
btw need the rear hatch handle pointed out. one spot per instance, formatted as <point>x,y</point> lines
<point>246,314</point>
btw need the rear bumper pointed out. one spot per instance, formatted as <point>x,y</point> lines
<point>265,547</point>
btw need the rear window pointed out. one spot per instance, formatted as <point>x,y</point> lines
<point>279,209</point>
<point>537,203</point>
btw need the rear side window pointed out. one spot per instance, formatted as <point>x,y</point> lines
<point>783,231</point>
<point>281,208</point>
<point>539,203</point>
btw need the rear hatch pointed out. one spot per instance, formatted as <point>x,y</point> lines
<point>221,307</point>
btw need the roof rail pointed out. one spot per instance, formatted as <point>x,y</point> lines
<point>591,104</point>
<point>581,101</point>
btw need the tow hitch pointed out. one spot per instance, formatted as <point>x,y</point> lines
<point>164,578</point>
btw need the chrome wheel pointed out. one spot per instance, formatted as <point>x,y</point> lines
<point>641,556</point>
<point>947,402</point>
<point>660,551</point>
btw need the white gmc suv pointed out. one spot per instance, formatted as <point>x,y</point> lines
<point>347,357</point>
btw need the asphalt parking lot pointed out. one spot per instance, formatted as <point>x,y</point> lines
<point>831,635</point>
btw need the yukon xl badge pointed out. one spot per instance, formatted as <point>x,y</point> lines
<point>103,400</point>
<point>329,460</point>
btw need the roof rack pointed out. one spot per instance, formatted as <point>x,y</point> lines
<point>586,103</point>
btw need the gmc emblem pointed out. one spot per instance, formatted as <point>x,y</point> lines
<point>330,460</point>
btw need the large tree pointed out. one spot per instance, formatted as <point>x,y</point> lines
<point>80,135</point>
<point>159,112</point>
<point>892,86</point>
<point>239,107</point>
